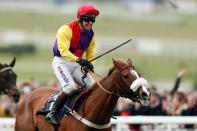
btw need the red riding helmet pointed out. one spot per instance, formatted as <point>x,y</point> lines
<point>87,9</point>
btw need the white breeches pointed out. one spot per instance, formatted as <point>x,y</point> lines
<point>68,73</point>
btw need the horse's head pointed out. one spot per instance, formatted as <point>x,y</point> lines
<point>130,84</point>
<point>8,81</point>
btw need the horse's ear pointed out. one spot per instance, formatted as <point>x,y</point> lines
<point>114,61</point>
<point>129,61</point>
<point>13,62</point>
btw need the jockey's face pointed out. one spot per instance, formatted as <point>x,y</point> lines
<point>87,25</point>
<point>88,21</point>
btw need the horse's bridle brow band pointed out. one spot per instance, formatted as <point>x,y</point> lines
<point>125,68</point>
<point>4,69</point>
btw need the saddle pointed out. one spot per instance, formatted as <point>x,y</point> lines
<point>73,103</point>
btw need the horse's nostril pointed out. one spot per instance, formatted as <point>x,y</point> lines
<point>144,94</point>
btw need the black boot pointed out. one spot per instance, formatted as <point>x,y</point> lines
<point>51,117</point>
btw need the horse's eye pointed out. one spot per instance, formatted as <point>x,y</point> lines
<point>126,76</point>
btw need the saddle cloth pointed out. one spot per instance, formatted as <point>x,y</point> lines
<point>73,102</point>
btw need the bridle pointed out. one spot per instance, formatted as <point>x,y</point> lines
<point>5,68</point>
<point>4,89</point>
<point>8,81</point>
<point>121,81</point>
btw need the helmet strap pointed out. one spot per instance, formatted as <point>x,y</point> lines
<point>81,25</point>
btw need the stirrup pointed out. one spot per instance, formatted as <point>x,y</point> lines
<point>49,119</point>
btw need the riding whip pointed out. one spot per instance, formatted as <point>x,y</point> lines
<point>111,50</point>
<point>173,4</point>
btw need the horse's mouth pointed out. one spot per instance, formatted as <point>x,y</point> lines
<point>145,102</point>
<point>143,98</point>
<point>135,98</point>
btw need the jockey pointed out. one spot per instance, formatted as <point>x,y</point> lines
<point>72,40</point>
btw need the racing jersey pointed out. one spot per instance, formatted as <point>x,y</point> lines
<point>71,42</point>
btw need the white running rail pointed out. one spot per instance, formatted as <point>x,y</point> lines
<point>7,124</point>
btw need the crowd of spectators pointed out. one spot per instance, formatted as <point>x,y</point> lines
<point>162,103</point>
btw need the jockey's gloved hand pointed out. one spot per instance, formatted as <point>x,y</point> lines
<point>85,63</point>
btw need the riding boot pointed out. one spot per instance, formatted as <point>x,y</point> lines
<point>52,115</point>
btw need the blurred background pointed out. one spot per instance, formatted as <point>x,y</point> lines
<point>164,37</point>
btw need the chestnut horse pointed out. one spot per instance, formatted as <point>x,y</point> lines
<point>122,81</point>
<point>8,81</point>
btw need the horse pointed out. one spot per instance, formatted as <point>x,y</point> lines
<point>121,81</point>
<point>8,81</point>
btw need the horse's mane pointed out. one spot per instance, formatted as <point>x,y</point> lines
<point>111,70</point>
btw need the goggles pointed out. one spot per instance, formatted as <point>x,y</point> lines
<point>88,19</point>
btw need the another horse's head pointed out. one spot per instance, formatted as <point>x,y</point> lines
<point>8,81</point>
<point>130,84</point>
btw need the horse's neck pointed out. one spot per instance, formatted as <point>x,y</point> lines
<point>100,104</point>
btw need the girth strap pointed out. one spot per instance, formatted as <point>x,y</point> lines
<point>89,123</point>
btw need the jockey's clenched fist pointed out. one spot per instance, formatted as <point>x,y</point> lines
<point>85,63</point>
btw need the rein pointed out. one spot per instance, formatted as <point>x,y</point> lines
<point>98,83</point>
